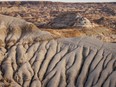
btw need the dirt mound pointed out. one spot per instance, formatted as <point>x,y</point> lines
<point>68,20</point>
<point>107,22</point>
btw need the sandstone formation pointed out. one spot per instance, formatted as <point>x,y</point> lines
<point>30,57</point>
<point>70,19</point>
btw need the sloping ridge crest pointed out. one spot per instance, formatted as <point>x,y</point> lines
<point>18,30</point>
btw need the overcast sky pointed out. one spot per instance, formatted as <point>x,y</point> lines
<point>67,0</point>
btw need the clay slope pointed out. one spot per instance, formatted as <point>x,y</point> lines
<point>36,59</point>
<point>14,30</point>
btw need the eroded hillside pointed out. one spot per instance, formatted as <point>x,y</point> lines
<point>41,12</point>
<point>30,57</point>
<point>46,44</point>
<point>101,15</point>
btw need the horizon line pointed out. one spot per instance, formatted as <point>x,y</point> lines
<point>62,1</point>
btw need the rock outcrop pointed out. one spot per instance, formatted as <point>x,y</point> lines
<point>70,19</point>
<point>36,59</point>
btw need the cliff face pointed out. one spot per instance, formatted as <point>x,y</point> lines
<point>31,57</point>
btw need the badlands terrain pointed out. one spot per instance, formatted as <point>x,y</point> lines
<point>46,44</point>
<point>102,16</point>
